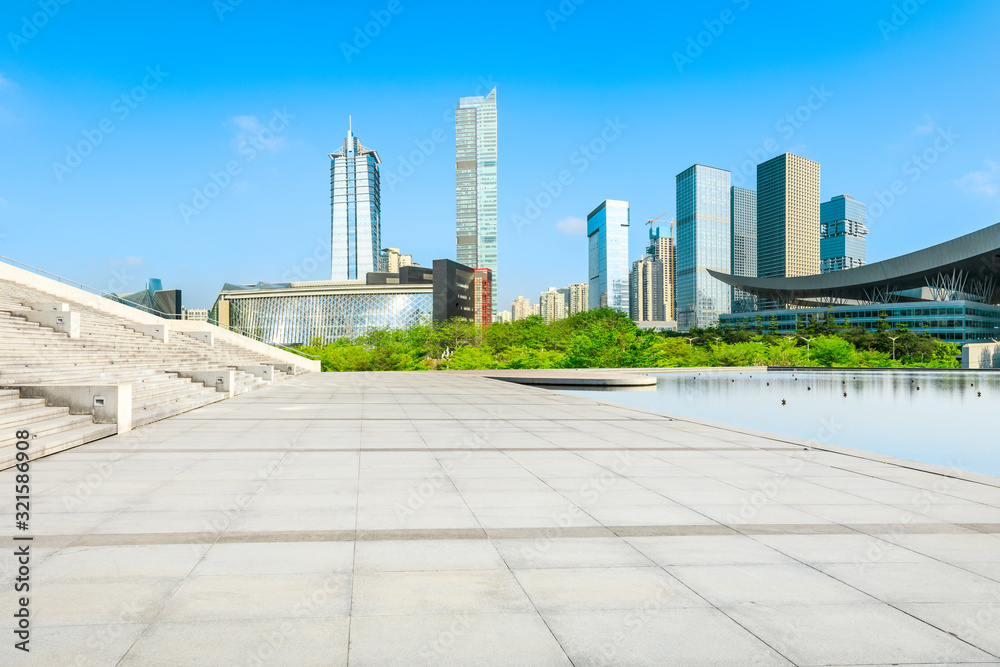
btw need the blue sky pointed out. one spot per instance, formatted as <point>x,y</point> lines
<point>116,115</point>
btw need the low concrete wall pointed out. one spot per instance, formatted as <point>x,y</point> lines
<point>981,355</point>
<point>61,321</point>
<point>205,337</point>
<point>263,372</point>
<point>224,380</point>
<point>157,331</point>
<point>249,344</point>
<point>75,294</point>
<point>49,307</point>
<point>107,404</point>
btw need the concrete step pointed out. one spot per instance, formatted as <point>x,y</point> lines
<point>20,404</point>
<point>180,388</point>
<point>150,414</point>
<point>29,414</point>
<point>58,442</point>
<point>45,427</point>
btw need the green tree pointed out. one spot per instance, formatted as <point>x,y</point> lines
<point>833,351</point>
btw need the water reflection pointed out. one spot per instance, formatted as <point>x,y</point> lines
<point>948,418</point>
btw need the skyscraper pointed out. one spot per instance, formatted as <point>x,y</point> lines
<point>703,242</point>
<point>788,217</point>
<point>662,249</point>
<point>579,300</point>
<point>743,215</point>
<point>646,290</point>
<point>842,225</point>
<point>476,183</point>
<point>607,235</point>
<point>356,210</point>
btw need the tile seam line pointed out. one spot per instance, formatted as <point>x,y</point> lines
<point>891,605</point>
<point>218,535</point>
<point>499,553</point>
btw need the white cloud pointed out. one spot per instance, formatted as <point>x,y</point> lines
<point>985,182</point>
<point>252,134</point>
<point>573,226</point>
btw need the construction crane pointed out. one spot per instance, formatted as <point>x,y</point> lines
<point>659,218</point>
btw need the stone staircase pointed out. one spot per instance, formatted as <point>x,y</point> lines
<point>52,429</point>
<point>110,350</point>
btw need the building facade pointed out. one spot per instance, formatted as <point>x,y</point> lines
<point>482,289</point>
<point>300,313</point>
<point>391,260</point>
<point>663,250</point>
<point>704,238</point>
<point>356,210</point>
<point>843,231</point>
<point>476,183</point>
<point>522,308</point>
<point>743,214</point>
<point>607,237</point>
<point>953,321</point>
<point>552,306</point>
<point>788,217</point>
<point>195,314</point>
<point>646,290</point>
<point>578,298</point>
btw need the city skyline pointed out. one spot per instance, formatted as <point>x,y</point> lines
<point>929,144</point>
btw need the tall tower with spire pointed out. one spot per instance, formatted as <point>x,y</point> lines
<point>356,209</point>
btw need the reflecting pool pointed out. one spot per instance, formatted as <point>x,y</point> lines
<point>948,418</point>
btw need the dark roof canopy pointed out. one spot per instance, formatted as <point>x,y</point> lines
<point>969,264</point>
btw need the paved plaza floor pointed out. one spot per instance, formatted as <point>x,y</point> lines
<point>422,518</point>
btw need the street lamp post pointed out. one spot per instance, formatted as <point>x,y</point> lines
<point>894,339</point>
<point>808,341</point>
<point>691,339</point>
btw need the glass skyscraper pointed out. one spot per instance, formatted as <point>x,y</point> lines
<point>607,236</point>
<point>743,215</point>
<point>843,232</point>
<point>476,183</point>
<point>356,210</point>
<point>704,241</point>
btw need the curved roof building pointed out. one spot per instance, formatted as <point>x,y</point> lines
<point>966,268</point>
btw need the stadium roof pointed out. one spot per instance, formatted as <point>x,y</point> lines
<point>968,265</point>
